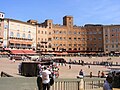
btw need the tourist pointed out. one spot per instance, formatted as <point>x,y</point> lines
<point>90,74</point>
<point>98,74</point>
<point>69,66</point>
<point>81,73</point>
<point>108,83</point>
<point>13,60</point>
<point>39,70</point>
<point>88,66</point>
<point>46,79</point>
<point>102,74</point>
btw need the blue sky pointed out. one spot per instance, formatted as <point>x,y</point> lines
<point>104,12</point>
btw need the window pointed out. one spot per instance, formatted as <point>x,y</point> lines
<point>69,32</point>
<point>90,32</point>
<point>60,38</point>
<point>75,44</point>
<point>74,38</point>
<point>75,48</point>
<point>42,32</point>
<point>69,38</point>
<point>94,38</point>
<point>94,32</point>
<point>11,34</point>
<point>54,38</point>
<point>29,36</point>
<point>23,35</point>
<point>45,32</point>
<point>18,35</point>
<point>112,40</point>
<point>49,33</point>
<point>95,45</point>
<point>106,46</point>
<point>112,46</point>
<point>49,39</point>
<point>116,34</point>
<point>5,26</point>
<point>99,38</point>
<point>116,39</point>
<point>70,44</point>
<point>99,32</point>
<point>60,32</point>
<point>78,38</point>
<point>116,46</point>
<point>57,38</point>
<point>78,32</point>
<point>39,31</point>
<point>64,45</point>
<point>106,40</point>
<point>74,32</point>
<point>112,35</point>
<point>29,29</point>
<point>64,32</point>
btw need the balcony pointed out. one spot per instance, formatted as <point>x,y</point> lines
<point>20,38</point>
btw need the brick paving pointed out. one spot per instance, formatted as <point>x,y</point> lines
<point>12,68</point>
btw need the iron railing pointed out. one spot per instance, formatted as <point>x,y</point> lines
<point>93,83</point>
<point>66,84</point>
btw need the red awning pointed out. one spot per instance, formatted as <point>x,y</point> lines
<point>22,52</point>
<point>17,52</point>
<point>29,52</point>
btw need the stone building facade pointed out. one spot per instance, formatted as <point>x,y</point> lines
<point>50,37</point>
<point>19,34</point>
<point>111,35</point>
<point>1,29</point>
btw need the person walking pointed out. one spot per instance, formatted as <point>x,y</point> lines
<point>90,74</point>
<point>46,79</point>
<point>98,74</point>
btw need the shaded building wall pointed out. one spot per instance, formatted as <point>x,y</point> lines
<point>94,38</point>
<point>111,38</point>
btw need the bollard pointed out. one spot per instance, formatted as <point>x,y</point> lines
<point>81,84</point>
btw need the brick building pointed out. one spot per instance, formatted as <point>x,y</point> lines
<point>50,37</point>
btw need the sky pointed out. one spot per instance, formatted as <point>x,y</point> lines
<point>104,12</point>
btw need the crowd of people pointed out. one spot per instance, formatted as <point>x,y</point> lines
<point>53,68</point>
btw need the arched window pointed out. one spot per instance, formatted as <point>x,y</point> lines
<point>11,34</point>
<point>29,36</point>
<point>18,35</point>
